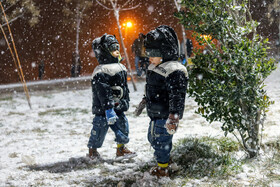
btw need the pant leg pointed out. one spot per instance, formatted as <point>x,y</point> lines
<point>98,132</point>
<point>138,71</point>
<point>160,140</point>
<point>121,129</point>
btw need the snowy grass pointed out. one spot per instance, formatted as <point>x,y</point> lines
<point>206,157</point>
<point>64,112</point>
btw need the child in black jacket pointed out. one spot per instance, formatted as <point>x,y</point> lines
<point>166,86</point>
<point>110,96</point>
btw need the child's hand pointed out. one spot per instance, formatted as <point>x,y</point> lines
<point>140,107</point>
<point>172,123</point>
<point>111,116</point>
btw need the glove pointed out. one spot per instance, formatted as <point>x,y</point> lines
<point>122,105</point>
<point>172,123</point>
<point>140,107</point>
<point>111,116</point>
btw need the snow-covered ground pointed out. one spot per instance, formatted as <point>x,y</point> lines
<point>58,127</point>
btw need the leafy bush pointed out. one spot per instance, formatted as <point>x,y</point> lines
<point>221,145</point>
<point>227,78</point>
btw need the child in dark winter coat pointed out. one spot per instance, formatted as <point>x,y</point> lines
<point>110,96</point>
<point>165,93</point>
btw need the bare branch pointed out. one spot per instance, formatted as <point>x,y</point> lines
<point>178,6</point>
<point>14,19</point>
<point>125,4</point>
<point>114,5</point>
<point>243,140</point>
<point>130,8</point>
<point>240,143</point>
<point>82,11</point>
<point>11,6</point>
<point>18,9</point>
<point>103,5</point>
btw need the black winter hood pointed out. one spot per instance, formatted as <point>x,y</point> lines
<point>101,47</point>
<point>165,39</point>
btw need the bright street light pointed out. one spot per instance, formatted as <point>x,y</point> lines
<point>129,24</point>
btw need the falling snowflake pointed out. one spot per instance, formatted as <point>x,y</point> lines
<point>33,64</point>
<point>151,9</point>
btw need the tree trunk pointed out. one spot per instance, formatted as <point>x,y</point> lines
<point>77,35</point>
<point>253,145</point>
<point>254,136</point>
<point>278,40</point>
<point>185,43</point>
<point>183,33</point>
<point>250,137</point>
<point>78,24</point>
<point>116,12</point>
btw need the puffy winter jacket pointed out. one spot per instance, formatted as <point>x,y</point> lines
<point>109,79</point>
<point>109,88</point>
<point>166,89</point>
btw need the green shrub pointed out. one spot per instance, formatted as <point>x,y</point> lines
<point>227,78</point>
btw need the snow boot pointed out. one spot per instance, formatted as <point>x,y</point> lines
<point>159,171</point>
<point>93,153</point>
<point>123,151</point>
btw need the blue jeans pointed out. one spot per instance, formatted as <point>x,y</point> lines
<point>100,129</point>
<point>160,140</point>
<point>138,71</point>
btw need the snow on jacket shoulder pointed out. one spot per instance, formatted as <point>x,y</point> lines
<point>109,88</point>
<point>165,69</point>
<point>110,69</point>
<point>166,89</point>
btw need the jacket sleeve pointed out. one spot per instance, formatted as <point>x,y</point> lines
<point>103,90</point>
<point>133,47</point>
<point>124,102</point>
<point>177,88</point>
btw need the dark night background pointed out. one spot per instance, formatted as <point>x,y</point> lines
<point>53,41</point>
